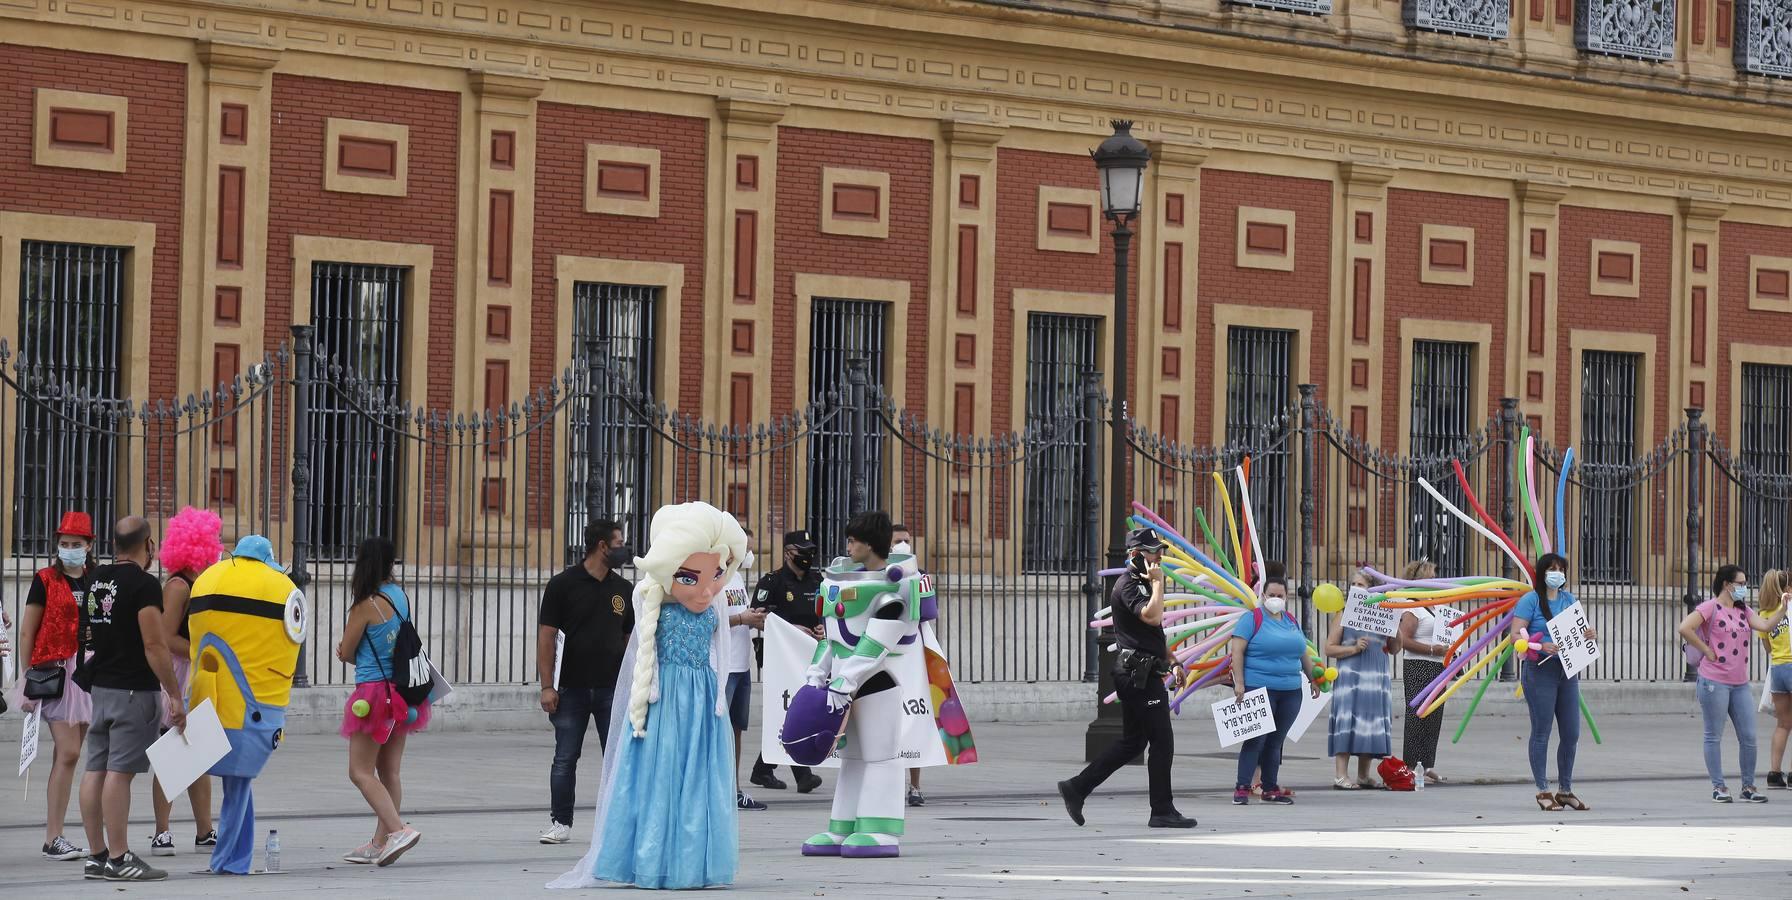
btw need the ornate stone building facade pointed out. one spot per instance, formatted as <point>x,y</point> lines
<point>1564,202</point>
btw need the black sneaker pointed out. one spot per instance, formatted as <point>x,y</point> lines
<point>1750,795</point>
<point>808,783</point>
<point>1776,779</point>
<point>93,868</point>
<point>1171,820</point>
<point>208,839</point>
<point>162,844</point>
<point>1073,801</point>
<point>61,849</point>
<point>742,801</point>
<point>131,867</point>
<point>915,798</point>
<point>769,781</point>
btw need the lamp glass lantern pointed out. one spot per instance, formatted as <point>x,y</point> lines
<point>1121,161</point>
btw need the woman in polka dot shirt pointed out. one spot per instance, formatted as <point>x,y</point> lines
<point>1719,630</point>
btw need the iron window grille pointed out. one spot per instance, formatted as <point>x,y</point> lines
<point>71,311</point>
<point>1060,353</point>
<point>1762,526</point>
<point>1608,425</point>
<point>1259,389</point>
<point>625,315</point>
<point>357,455</point>
<point>839,331</point>
<point>1442,413</point>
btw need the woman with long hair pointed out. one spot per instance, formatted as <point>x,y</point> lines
<point>189,544</point>
<point>1362,700</point>
<point>1268,652</point>
<point>49,638</point>
<point>1779,678</point>
<point>376,719</point>
<point>1719,631</point>
<point>1419,638</point>
<point>1550,693</point>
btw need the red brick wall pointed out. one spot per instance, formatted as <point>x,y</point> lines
<point>1307,287</point>
<point>1648,313</point>
<point>1406,297</point>
<point>149,190</point>
<point>1020,265</point>
<point>562,227</point>
<point>802,247</point>
<point>427,214</point>
<point>1736,323</point>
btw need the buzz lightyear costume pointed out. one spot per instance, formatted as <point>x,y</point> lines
<point>872,617</point>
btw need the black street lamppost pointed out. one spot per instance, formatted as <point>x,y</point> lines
<point>1120,161</point>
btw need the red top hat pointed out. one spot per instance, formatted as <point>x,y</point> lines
<point>76,524</point>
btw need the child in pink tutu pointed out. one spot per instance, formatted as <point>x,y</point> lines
<point>376,719</point>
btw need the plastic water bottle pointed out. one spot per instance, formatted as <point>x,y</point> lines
<point>272,856</point>
<point>1418,777</point>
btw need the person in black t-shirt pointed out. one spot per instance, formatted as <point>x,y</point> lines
<point>1137,603</point>
<point>129,672</point>
<point>790,593</point>
<point>589,608</point>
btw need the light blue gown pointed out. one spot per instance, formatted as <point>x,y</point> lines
<point>1363,701</point>
<point>670,820</point>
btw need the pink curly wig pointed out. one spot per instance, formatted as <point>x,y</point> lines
<point>191,543</point>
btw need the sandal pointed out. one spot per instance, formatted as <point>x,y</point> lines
<point>1547,801</point>
<point>1344,784</point>
<point>1367,784</point>
<point>1572,802</point>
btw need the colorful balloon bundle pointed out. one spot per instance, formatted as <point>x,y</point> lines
<point>1206,594</point>
<point>1498,596</point>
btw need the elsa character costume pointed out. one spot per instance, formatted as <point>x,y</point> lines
<point>665,815</point>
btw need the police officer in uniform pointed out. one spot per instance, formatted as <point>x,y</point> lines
<point>790,593</point>
<point>1143,661</point>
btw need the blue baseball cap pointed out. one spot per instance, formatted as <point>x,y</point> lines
<point>255,546</point>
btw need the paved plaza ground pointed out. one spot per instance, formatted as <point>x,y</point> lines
<point>996,829</point>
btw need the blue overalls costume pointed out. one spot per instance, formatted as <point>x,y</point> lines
<point>247,621</point>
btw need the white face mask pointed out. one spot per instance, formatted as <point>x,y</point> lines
<point>902,548</point>
<point>1555,579</point>
<point>73,557</point>
<point>746,561</point>
<point>1275,606</point>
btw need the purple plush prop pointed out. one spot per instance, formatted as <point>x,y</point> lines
<point>810,728</point>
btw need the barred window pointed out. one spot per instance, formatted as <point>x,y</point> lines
<point>1060,352</point>
<point>625,315</point>
<point>840,330</point>
<point>1608,412</point>
<point>1762,526</point>
<point>356,454</point>
<point>71,309</point>
<point>1259,391</point>
<point>1443,378</point>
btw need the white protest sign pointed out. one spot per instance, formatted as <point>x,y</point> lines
<point>180,757</point>
<point>28,739</point>
<point>1446,633</point>
<point>1310,708</point>
<point>788,650</point>
<point>1568,631</point>
<point>1244,718</point>
<point>559,656</point>
<point>1360,615</point>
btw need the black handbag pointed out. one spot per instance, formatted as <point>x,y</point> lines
<point>45,682</point>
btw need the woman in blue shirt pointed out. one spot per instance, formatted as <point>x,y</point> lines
<point>1551,695</point>
<point>1270,652</point>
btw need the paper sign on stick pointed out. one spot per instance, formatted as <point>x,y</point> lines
<point>180,757</point>
<point>28,739</point>
<point>1568,631</point>
<point>1446,634</point>
<point>788,650</point>
<point>1244,718</point>
<point>1360,615</point>
<point>1310,708</point>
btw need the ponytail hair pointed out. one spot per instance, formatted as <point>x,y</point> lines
<point>677,533</point>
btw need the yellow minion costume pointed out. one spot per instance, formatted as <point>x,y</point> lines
<point>247,621</point>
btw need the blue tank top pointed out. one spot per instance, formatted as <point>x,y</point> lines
<point>380,637</point>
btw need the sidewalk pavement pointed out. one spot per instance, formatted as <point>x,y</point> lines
<point>997,828</point>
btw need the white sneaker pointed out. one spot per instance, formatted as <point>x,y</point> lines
<point>556,833</point>
<point>364,855</point>
<point>396,844</point>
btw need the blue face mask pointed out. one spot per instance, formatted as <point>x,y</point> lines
<point>1739,592</point>
<point>1555,579</point>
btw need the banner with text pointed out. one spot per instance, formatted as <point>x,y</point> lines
<point>1568,630</point>
<point>788,650</point>
<point>1239,720</point>
<point>1360,615</point>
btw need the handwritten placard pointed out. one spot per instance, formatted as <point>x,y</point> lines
<point>1359,614</point>
<point>1568,630</point>
<point>1446,633</point>
<point>28,740</point>
<point>1244,718</point>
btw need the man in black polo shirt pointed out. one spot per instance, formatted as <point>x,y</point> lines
<point>1144,658</point>
<point>130,675</point>
<point>591,608</point>
<point>790,594</point>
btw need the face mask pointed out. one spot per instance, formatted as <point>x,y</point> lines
<point>74,557</point>
<point>746,560</point>
<point>1739,592</point>
<point>617,557</point>
<point>1555,579</point>
<point>803,558</point>
<point>1275,605</point>
<point>902,548</point>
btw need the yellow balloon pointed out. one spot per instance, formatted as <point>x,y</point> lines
<point>939,696</point>
<point>1331,673</point>
<point>1521,645</point>
<point>1328,599</point>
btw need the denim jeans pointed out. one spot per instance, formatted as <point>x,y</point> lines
<point>1718,700</point>
<point>1553,698</point>
<point>578,708</point>
<point>1265,750</point>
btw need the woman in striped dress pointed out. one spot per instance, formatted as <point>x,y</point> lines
<point>1362,700</point>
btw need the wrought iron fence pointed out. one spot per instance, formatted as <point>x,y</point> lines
<point>486,506</point>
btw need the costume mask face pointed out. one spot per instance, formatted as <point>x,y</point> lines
<point>697,580</point>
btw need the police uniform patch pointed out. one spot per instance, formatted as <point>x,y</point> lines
<point>616,604</point>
